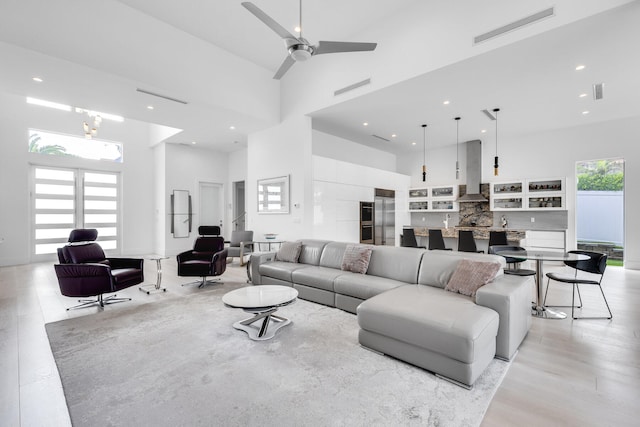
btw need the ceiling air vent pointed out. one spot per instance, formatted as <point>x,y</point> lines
<point>146,92</point>
<point>531,19</point>
<point>382,138</point>
<point>598,91</point>
<point>352,87</point>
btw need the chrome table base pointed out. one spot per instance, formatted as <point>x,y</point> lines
<point>267,329</point>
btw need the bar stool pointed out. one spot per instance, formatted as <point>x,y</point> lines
<point>436,241</point>
<point>498,238</point>
<point>466,242</point>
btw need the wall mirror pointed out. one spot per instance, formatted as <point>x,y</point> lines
<point>273,195</point>
<point>181,213</point>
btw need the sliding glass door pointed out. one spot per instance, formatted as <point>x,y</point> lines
<point>64,199</point>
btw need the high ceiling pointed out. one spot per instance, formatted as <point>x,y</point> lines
<point>95,53</point>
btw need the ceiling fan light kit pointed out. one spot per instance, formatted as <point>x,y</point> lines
<point>298,48</point>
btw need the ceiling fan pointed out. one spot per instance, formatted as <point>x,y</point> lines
<point>299,48</point>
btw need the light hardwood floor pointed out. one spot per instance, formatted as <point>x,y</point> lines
<point>567,372</point>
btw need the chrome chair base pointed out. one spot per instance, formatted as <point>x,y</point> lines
<point>100,300</point>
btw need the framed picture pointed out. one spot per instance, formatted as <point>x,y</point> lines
<point>273,195</point>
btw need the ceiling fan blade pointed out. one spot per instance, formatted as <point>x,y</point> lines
<point>335,47</point>
<point>279,29</point>
<point>288,62</point>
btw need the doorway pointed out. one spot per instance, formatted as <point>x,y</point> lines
<point>600,208</point>
<point>211,205</point>
<point>239,207</point>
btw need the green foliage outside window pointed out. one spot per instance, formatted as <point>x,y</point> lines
<point>601,175</point>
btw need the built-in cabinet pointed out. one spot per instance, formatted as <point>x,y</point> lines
<point>532,194</point>
<point>441,198</point>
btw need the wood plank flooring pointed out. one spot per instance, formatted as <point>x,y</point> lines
<point>567,372</point>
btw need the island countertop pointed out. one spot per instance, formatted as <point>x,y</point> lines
<point>481,233</point>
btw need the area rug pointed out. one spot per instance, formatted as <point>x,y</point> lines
<point>179,362</point>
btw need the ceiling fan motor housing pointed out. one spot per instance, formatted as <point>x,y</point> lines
<point>300,52</point>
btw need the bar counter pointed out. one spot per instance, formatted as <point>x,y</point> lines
<point>479,233</point>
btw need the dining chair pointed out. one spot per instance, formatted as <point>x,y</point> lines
<point>513,263</point>
<point>595,265</point>
<point>466,242</point>
<point>436,241</point>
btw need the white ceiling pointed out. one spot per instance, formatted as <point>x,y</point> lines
<point>533,81</point>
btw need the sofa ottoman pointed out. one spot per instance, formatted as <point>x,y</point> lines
<point>440,331</point>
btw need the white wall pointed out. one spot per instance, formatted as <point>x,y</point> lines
<point>185,167</point>
<point>137,174</point>
<point>334,147</point>
<point>338,189</point>
<point>282,150</point>
<point>237,172</point>
<point>554,154</point>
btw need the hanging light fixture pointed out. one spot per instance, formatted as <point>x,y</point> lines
<point>424,153</point>
<point>457,119</point>
<point>495,159</point>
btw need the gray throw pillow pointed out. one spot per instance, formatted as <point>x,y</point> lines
<point>356,258</point>
<point>289,251</point>
<point>471,275</point>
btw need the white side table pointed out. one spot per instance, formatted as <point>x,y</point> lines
<point>155,287</point>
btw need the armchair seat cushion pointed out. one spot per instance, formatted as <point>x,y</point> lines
<point>195,267</point>
<point>125,277</point>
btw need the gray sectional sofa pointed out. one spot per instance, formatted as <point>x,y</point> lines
<point>403,309</point>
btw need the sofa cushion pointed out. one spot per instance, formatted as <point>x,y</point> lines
<point>470,275</point>
<point>280,269</point>
<point>332,254</point>
<point>316,277</point>
<point>438,266</point>
<point>442,322</point>
<point>395,263</point>
<point>363,286</point>
<point>311,251</point>
<point>356,258</point>
<point>289,251</point>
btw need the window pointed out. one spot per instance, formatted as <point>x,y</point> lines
<point>64,199</point>
<point>69,145</point>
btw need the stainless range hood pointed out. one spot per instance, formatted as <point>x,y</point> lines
<point>474,173</point>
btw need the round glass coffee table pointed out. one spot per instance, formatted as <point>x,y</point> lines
<point>263,301</point>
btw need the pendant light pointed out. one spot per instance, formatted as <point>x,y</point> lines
<point>495,159</point>
<point>424,153</point>
<point>457,119</point>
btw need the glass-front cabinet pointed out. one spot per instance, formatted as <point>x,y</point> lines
<point>532,194</point>
<point>433,199</point>
<point>546,194</point>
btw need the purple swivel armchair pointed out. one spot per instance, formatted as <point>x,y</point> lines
<point>85,271</point>
<point>208,257</point>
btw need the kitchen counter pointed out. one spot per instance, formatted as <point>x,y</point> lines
<point>480,233</point>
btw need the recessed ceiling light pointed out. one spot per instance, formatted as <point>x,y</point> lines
<point>149,107</point>
<point>580,67</point>
<point>393,135</point>
<point>585,113</point>
<point>232,127</point>
<point>483,131</point>
<point>583,95</point>
<point>413,143</point>
<point>296,29</point>
<point>446,102</point>
<point>365,124</point>
<point>37,79</point>
<point>193,142</point>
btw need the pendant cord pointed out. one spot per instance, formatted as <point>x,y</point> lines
<point>300,19</point>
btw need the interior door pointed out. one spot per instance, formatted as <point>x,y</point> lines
<point>211,205</point>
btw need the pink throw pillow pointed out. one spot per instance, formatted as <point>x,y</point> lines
<point>471,275</point>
